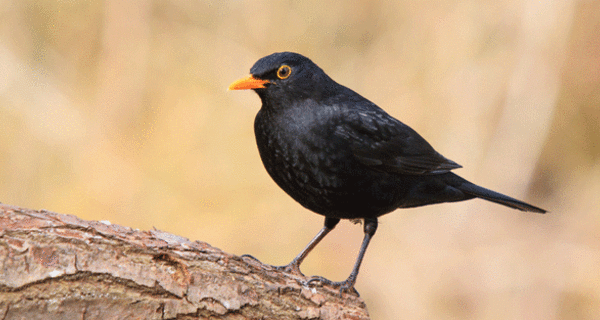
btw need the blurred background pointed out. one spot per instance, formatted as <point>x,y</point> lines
<point>118,110</point>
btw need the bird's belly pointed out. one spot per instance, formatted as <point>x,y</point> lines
<point>334,185</point>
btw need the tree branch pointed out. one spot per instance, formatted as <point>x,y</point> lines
<point>56,266</point>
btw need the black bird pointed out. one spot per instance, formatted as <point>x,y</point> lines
<point>343,157</point>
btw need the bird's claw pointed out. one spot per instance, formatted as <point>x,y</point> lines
<point>289,268</point>
<point>344,286</point>
<point>250,257</point>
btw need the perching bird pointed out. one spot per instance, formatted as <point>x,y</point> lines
<point>343,157</point>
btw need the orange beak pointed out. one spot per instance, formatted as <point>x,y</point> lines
<point>248,83</point>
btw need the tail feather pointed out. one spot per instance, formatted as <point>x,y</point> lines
<point>487,194</point>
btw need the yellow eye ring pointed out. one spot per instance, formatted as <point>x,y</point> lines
<point>284,72</point>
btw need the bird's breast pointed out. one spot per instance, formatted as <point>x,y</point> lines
<point>316,167</point>
<point>298,152</point>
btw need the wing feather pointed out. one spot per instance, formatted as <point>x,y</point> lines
<point>380,141</point>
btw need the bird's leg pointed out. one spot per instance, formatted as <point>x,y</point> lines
<point>348,285</point>
<point>294,266</point>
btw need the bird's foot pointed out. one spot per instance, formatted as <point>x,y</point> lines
<point>344,286</point>
<point>292,268</point>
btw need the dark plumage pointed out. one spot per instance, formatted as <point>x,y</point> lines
<point>341,156</point>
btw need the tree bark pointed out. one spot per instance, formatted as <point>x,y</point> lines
<point>56,266</point>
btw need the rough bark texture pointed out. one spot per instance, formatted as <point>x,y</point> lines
<point>56,266</point>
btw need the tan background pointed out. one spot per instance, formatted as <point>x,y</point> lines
<point>118,110</point>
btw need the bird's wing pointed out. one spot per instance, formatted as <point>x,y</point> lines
<point>380,141</point>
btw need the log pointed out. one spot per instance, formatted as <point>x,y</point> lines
<point>56,266</point>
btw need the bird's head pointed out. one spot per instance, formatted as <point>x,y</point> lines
<point>286,76</point>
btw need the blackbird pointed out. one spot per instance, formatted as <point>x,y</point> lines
<point>341,156</point>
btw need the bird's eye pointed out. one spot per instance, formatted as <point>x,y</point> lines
<point>284,72</point>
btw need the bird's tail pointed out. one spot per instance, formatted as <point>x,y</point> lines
<point>487,194</point>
